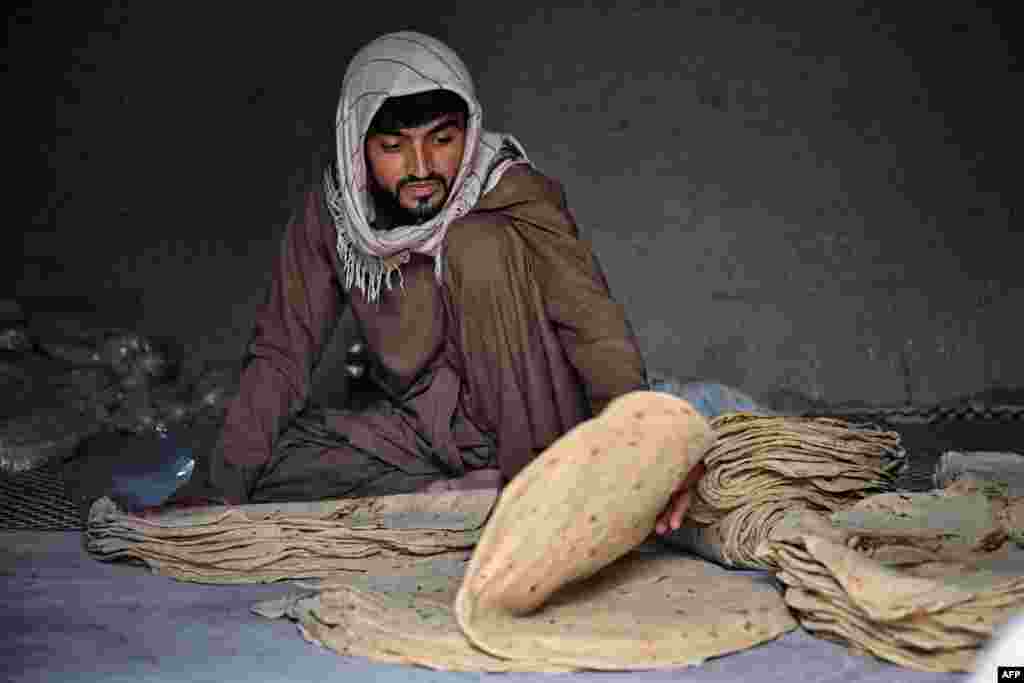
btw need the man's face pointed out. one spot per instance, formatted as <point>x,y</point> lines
<point>417,166</point>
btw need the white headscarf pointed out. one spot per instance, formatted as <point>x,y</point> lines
<point>394,65</point>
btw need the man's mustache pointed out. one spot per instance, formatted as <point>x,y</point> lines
<point>413,180</point>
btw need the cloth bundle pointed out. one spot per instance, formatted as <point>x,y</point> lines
<point>918,579</point>
<point>761,467</point>
<point>270,542</point>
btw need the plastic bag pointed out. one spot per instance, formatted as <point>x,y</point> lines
<point>711,399</point>
<point>153,467</point>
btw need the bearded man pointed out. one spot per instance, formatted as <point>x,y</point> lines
<point>490,319</point>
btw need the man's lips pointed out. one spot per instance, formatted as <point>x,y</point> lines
<point>422,190</point>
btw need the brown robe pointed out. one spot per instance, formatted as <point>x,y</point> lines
<point>520,343</point>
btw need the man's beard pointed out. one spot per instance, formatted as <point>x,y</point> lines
<point>391,213</point>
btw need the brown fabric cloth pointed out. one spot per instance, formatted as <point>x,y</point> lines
<point>521,343</point>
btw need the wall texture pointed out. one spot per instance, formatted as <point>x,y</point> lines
<point>809,200</point>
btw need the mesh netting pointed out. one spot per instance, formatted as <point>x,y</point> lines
<point>36,500</point>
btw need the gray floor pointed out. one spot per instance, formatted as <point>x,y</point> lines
<point>67,617</point>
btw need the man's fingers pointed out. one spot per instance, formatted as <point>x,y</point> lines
<point>663,525</point>
<point>672,516</point>
<point>679,508</point>
<point>695,473</point>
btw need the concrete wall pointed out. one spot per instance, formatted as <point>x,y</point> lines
<point>811,199</point>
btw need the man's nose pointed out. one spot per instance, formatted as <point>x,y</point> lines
<point>419,163</point>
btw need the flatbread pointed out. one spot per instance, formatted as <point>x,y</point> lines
<point>918,579</point>
<point>275,541</point>
<point>642,613</point>
<point>833,461</point>
<point>1007,468</point>
<point>401,617</point>
<point>647,610</point>
<point>761,467</point>
<point>599,611</point>
<point>558,580</point>
<point>947,526</point>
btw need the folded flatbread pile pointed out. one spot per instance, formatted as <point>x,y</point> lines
<point>761,467</point>
<point>918,579</point>
<point>270,542</point>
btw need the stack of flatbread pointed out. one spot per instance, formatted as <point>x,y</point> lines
<point>919,579</point>
<point>392,567</point>
<point>270,542</point>
<point>761,467</point>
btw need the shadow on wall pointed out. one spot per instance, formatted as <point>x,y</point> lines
<point>786,199</point>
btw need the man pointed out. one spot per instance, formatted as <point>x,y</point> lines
<point>490,320</point>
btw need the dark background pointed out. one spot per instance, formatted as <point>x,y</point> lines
<point>813,198</point>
